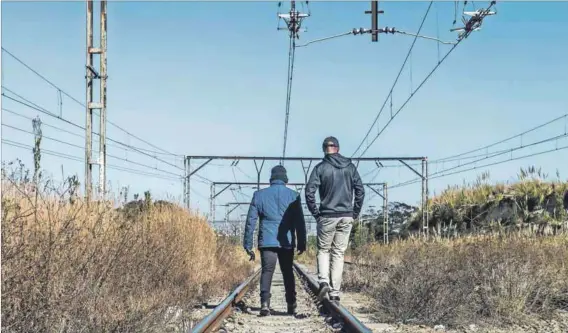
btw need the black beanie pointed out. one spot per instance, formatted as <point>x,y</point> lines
<point>278,173</point>
<point>328,140</point>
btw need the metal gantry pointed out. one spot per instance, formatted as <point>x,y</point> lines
<point>306,163</point>
<point>91,75</point>
<point>385,197</point>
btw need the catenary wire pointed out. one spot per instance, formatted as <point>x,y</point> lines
<point>82,147</point>
<point>81,103</point>
<point>43,110</point>
<point>396,80</point>
<point>79,159</point>
<point>483,166</point>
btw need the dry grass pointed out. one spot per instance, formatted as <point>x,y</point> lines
<point>67,267</point>
<point>476,279</point>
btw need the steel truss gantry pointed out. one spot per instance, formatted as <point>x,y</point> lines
<point>306,163</point>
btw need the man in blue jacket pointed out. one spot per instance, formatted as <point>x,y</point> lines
<point>341,195</point>
<point>282,223</point>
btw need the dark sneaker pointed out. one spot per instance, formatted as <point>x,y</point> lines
<point>334,298</point>
<point>323,290</point>
<point>292,308</point>
<point>264,309</point>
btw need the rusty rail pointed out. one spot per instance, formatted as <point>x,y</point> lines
<point>352,324</point>
<point>213,320</point>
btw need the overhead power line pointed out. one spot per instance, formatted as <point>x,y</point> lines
<point>564,116</point>
<point>486,165</point>
<point>396,81</point>
<point>82,147</point>
<point>487,153</point>
<point>39,108</point>
<point>503,152</point>
<point>65,130</point>
<point>83,104</point>
<point>36,107</point>
<point>471,25</point>
<point>362,31</point>
<point>444,172</point>
<point>393,116</point>
<point>80,159</point>
<point>293,21</point>
<point>291,56</point>
<point>45,111</point>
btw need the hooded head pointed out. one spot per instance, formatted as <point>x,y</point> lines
<point>278,173</point>
<point>330,145</point>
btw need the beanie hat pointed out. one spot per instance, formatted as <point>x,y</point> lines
<point>330,140</point>
<point>278,173</point>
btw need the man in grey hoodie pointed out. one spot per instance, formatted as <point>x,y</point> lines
<point>337,181</point>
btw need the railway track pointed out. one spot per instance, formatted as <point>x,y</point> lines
<point>239,312</point>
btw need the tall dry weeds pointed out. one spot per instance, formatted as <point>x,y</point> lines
<point>70,267</point>
<point>493,280</point>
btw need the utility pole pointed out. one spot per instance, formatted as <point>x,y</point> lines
<point>91,75</point>
<point>293,21</point>
<point>103,97</point>
<point>374,20</point>
<point>89,116</point>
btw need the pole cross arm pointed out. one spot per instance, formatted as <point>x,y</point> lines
<point>223,190</point>
<point>199,168</point>
<point>236,206</point>
<point>375,190</point>
<point>412,169</point>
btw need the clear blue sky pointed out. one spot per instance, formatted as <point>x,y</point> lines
<point>210,78</point>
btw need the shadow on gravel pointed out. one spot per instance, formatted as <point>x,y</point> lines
<point>206,306</point>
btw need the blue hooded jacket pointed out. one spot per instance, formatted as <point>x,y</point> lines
<point>279,210</point>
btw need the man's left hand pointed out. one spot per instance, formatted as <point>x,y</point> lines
<point>251,255</point>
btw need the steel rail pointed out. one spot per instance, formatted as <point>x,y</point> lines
<point>352,324</point>
<point>214,319</point>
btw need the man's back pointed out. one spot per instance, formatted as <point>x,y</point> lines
<point>272,202</point>
<point>279,210</point>
<point>336,178</point>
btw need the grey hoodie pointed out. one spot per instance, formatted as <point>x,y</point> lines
<point>337,180</point>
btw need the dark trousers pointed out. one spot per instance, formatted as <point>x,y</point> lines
<point>268,258</point>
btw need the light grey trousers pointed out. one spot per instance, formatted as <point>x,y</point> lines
<point>333,237</point>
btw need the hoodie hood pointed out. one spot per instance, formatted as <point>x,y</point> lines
<point>337,160</point>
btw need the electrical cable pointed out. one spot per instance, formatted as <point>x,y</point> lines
<point>43,110</point>
<point>442,173</point>
<point>61,129</point>
<point>79,159</point>
<point>291,56</point>
<point>490,164</point>
<point>565,116</point>
<point>408,99</point>
<point>82,147</point>
<point>396,81</point>
<point>36,107</point>
<point>81,103</point>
